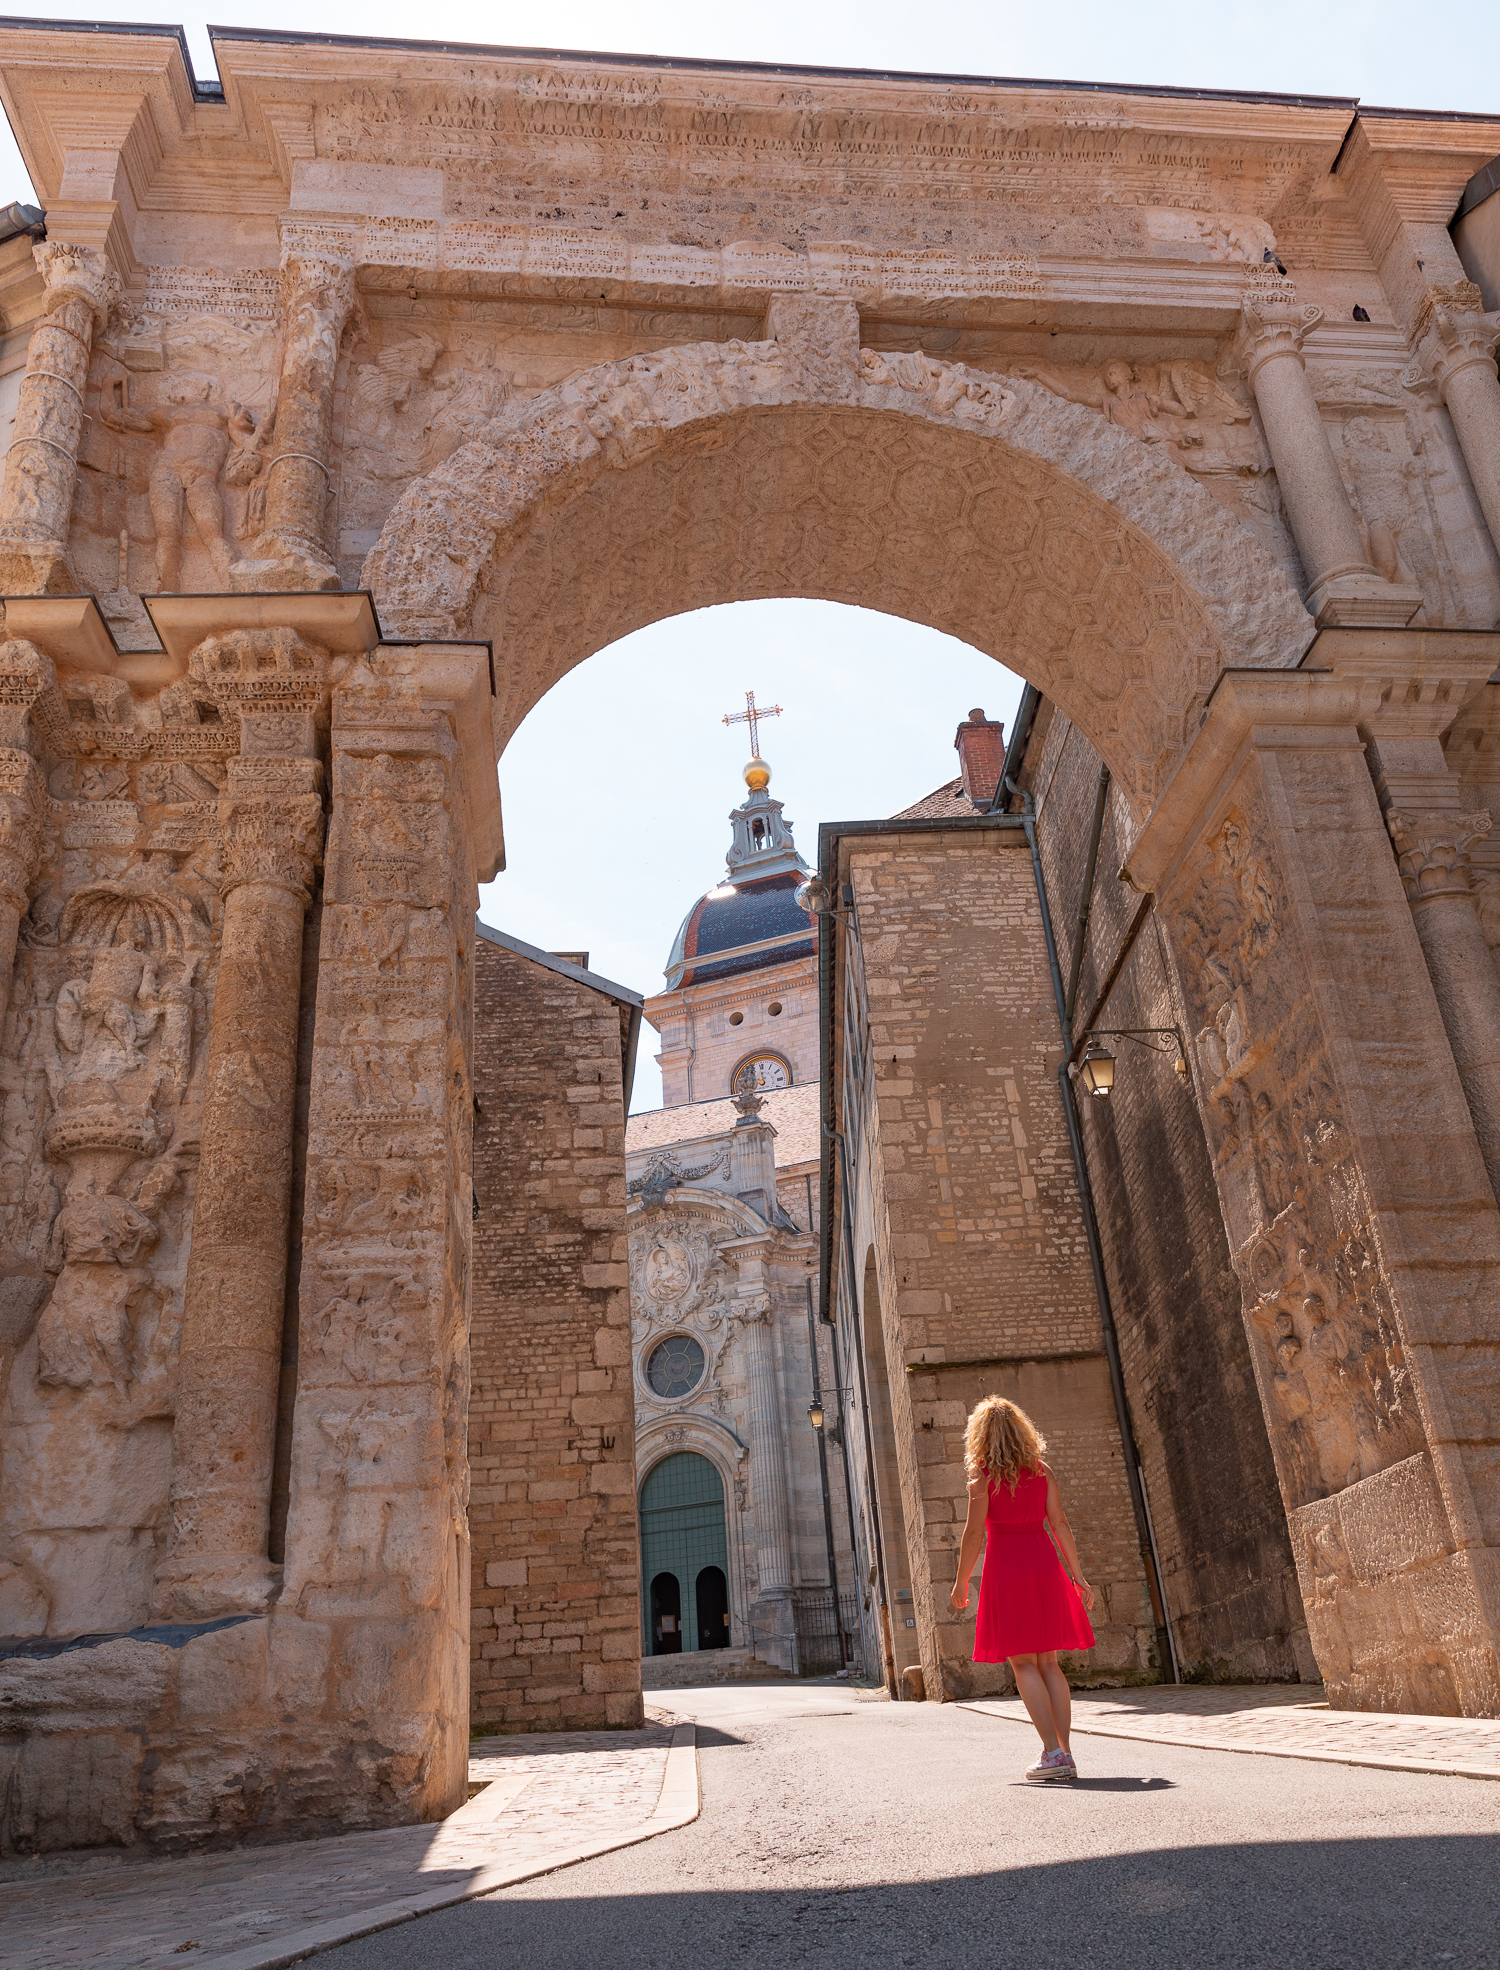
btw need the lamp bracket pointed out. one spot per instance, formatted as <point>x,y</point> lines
<point>1144,1036</point>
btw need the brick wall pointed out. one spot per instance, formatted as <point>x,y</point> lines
<point>1216,1507</point>
<point>966,1195</point>
<point>552,1514</point>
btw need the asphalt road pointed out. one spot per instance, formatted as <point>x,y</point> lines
<point>836,1832</point>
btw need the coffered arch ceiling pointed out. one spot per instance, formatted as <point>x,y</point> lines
<point>984,507</point>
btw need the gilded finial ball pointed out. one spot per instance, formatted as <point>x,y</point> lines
<point>757,775</point>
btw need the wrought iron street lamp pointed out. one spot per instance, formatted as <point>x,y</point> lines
<point>1096,1068</point>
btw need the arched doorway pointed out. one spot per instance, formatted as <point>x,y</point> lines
<point>712,1595</point>
<point>684,1556</point>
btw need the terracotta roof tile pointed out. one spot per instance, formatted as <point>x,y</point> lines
<point>948,802</point>
<point>792,1112</point>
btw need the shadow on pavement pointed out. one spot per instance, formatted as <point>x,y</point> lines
<point>1341,1904</point>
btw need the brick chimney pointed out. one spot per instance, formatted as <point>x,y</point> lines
<point>980,744</point>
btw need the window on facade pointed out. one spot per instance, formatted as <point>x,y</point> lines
<point>675,1366</point>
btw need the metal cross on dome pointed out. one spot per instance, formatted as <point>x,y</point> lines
<point>751,716</point>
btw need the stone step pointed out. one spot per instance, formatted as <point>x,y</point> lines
<point>675,1672</point>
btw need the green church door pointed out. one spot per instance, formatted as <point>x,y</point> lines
<point>683,1542</point>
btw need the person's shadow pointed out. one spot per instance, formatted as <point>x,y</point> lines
<point>1095,1785</point>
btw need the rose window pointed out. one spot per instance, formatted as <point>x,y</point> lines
<point>675,1366</point>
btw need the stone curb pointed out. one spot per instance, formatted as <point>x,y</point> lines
<point>677,1805</point>
<point>1392,1762</point>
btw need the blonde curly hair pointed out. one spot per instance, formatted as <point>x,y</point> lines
<point>1001,1442</point>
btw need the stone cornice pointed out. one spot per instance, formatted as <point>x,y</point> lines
<point>1415,680</point>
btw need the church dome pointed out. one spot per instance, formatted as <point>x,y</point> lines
<point>750,920</point>
<point>741,927</point>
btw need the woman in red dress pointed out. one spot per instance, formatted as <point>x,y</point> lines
<point>1029,1607</point>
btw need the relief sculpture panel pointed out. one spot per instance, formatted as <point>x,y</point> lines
<point>1337,1392</point>
<point>101,1065</point>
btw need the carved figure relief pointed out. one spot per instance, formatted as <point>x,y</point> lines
<point>413,399</point>
<point>1328,1356</point>
<point>125,1026</point>
<point>677,1272</point>
<point>1181,405</point>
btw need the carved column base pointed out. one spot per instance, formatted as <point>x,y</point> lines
<point>36,567</point>
<point>282,567</point>
<point>1363,601</point>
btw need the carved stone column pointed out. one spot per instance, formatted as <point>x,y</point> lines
<point>1343,585</point>
<point>42,464</point>
<point>1456,344</point>
<point>27,683</point>
<point>1433,854</point>
<point>271,825</point>
<point>1359,1212</point>
<point>292,551</point>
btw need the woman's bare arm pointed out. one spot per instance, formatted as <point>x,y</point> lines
<point>1057,1518</point>
<point>972,1543</point>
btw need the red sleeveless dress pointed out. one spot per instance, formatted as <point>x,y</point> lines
<point>1027,1604</point>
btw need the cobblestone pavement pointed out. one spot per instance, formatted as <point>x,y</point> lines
<point>1288,1721</point>
<point>545,1797</point>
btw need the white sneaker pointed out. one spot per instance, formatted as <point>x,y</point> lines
<point>1052,1765</point>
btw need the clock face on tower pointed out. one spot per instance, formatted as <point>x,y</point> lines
<point>759,1071</point>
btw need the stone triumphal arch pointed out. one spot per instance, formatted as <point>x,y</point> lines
<point>425,373</point>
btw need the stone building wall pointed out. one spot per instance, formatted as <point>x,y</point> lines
<point>1220,1525</point>
<point>556,1626</point>
<point>964,1192</point>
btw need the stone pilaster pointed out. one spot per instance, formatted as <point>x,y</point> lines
<point>1455,354</point>
<point>1343,586</point>
<point>1361,1219</point>
<point>271,826</point>
<point>767,1455</point>
<point>377,1553</point>
<point>292,551</point>
<point>42,463</point>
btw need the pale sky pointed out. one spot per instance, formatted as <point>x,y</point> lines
<point>617,787</point>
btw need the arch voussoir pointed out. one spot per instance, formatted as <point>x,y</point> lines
<point>976,487</point>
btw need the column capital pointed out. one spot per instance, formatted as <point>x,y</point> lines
<point>77,273</point>
<point>30,701</point>
<point>261,673</point>
<point>1453,333</point>
<point>1272,323</point>
<point>321,278</point>
<point>1432,851</point>
<point>272,842</point>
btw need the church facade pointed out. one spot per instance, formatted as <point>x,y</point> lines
<point>730,1360</point>
<point>360,396</point>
